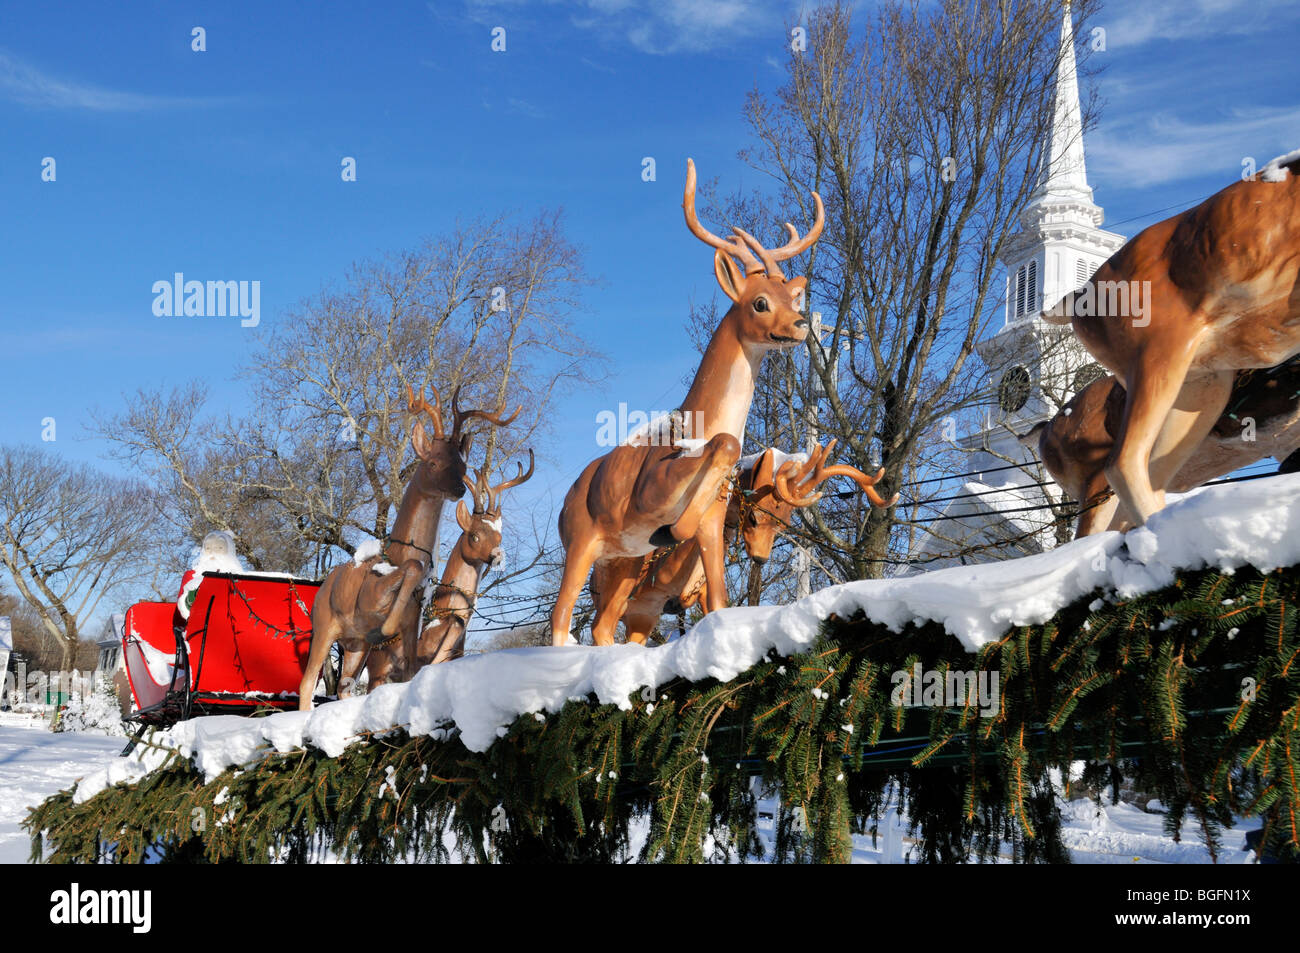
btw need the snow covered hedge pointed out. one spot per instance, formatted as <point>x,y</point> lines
<point>1170,653</point>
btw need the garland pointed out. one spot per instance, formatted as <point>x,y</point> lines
<point>1193,691</point>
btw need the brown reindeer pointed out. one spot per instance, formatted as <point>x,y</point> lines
<point>638,498</point>
<point>477,550</point>
<point>1075,444</point>
<point>1221,284</point>
<point>369,604</point>
<point>761,507</point>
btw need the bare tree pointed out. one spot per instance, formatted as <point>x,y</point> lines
<point>484,309</point>
<point>69,538</point>
<point>921,131</point>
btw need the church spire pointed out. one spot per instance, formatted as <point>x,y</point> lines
<point>1063,177</point>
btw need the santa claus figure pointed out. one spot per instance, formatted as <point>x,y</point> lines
<point>217,554</point>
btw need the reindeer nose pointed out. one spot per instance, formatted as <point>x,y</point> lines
<point>759,560</point>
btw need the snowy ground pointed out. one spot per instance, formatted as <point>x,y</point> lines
<point>35,763</point>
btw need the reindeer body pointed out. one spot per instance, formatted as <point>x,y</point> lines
<point>1223,297</point>
<point>477,550</point>
<point>1076,444</point>
<point>370,605</point>
<point>636,499</point>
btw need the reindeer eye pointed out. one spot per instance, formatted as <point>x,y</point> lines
<point>761,305</point>
<point>473,537</point>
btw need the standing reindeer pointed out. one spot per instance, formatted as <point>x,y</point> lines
<point>636,499</point>
<point>477,550</point>
<point>370,603</point>
<point>766,497</point>
<point>1222,289</point>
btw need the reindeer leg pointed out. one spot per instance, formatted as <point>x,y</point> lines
<point>1152,387</point>
<point>578,561</point>
<point>412,575</point>
<point>453,642</point>
<point>380,667</point>
<point>322,639</point>
<point>618,577</point>
<point>1098,517</point>
<point>641,617</point>
<point>1200,403</point>
<point>713,551</point>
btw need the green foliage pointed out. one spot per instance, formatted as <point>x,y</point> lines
<point>1194,691</point>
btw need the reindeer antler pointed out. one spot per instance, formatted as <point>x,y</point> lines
<point>494,493</point>
<point>745,246</point>
<point>478,489</point>
<point>802,493</point>
<point>416,404</point>
<point>459,416</point>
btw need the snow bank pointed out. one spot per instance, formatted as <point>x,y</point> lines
<point>1226,527</point>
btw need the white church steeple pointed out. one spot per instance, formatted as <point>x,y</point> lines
<point>1036,366</point>
<point>1060,242</point>
<point>1064,176</point>
<point>1033,367</point>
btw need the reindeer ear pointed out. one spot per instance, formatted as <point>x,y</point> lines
<point>420,441</point>
<point>766,466</point>
<point>1031,438</point>
<point>798,288</point>
<point>462,515</point>
<point>730,277</point>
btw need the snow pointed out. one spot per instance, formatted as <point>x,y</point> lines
<point>161,664</point>
<point>1227,527</point>
<point>367,550</point>
<point>35,763</point>
<point>779,459</point>
<point>1274,170</point>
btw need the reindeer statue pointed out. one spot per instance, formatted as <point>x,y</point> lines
<point>370,603</point>
<point>766,497</point>
<point>638,498</point>
<point>1075,444</point>
<point>1222,289</point>
<point>478,549</point>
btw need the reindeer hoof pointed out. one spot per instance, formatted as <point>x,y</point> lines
<point>663,536</point>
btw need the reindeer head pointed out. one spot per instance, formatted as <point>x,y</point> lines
<point>766,307</point>
<point>769,495</point>
<point>442,457</point>
<point>480,541</point>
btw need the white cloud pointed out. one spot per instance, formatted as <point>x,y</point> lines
<point>25,84</point>
<point>1144,150</point>
<point>1137,24</point>
<point>655,26</point>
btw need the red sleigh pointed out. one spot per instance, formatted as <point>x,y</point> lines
<point>243,649</point>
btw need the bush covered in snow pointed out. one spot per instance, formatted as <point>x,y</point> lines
<point>93,711</point>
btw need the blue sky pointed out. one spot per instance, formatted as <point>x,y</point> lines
<point>225,163</point>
